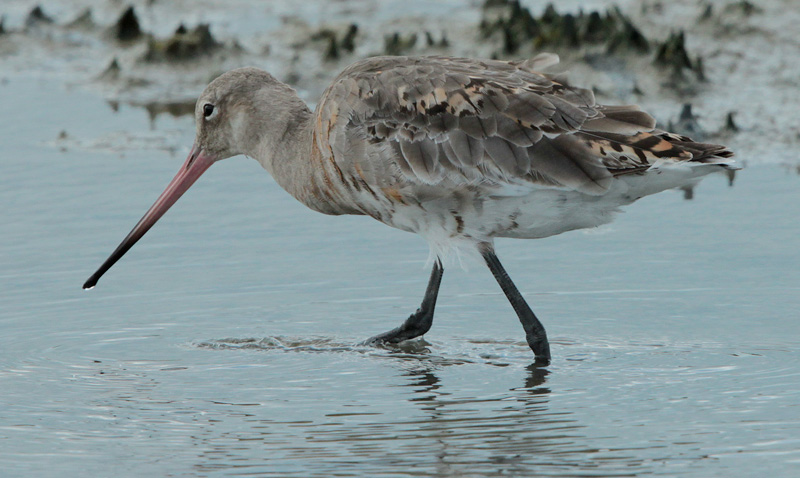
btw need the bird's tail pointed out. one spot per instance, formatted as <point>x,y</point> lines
<point>626,154</point>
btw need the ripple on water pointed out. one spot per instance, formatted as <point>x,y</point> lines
<point>499,353</point>
<point>319,406</point>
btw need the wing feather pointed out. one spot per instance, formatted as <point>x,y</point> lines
<point>530,108</point>
<point>467,149</point>
<point>422,156</point>
<point>516,133</point>
<point>456,121</point>
<point>479,127</point>
<point>509,158</point>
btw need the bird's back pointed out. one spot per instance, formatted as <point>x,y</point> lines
<point>438,132</point>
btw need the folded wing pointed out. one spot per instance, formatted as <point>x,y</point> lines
<point>440,120</point>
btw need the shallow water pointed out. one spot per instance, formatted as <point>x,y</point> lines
<point>225,343</point>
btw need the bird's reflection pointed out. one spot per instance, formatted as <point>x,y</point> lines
<point>425,384</point>
<point>502,429</point>
<point>537,376</point>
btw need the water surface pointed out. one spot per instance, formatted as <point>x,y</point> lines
<point>225,342</point>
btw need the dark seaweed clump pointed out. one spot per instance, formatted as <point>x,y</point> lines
<point>127,28</point>
<point>744,7</point>
<point>518,27</point>
<point>112,71</point>
<point>84,20</point>
<point>687,124</point>
<point>730,124</point>
<point>733,11</point>
<point>708,13</point>
<point>333,45</point>
<point>397,44</point>
<point>431,42</point>
<point>176,109</point>
<point>37,17</point>
<point>672,54</point>
<point>393,43</point>
<point>184,44</point>
<point>512,21</point>
<point>348,42</point>
<point>611,30</point>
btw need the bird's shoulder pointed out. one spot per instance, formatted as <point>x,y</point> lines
<point>410,87</point>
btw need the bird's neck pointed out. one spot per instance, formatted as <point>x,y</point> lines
<point>293,161</point>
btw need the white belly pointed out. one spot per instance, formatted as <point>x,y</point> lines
<point>466,218</point>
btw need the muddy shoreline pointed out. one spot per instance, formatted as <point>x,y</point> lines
<point>697,67</point>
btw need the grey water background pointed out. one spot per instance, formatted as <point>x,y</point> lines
<point>226,342</point>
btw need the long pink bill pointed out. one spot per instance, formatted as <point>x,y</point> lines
<point>196,164</point>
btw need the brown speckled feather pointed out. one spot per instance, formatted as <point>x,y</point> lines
<point>440,120</point>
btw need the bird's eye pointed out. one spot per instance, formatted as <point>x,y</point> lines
<point>208,109</point>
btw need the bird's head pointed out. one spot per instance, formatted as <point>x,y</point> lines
<point>230,121</point>
<point>227,113</point>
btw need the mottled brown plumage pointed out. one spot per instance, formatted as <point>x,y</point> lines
<point>448,121</point>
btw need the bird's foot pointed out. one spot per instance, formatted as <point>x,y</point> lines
<point>540,347</point>
<point>416,325</point>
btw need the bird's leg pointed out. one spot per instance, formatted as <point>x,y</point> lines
<point>420,321</point>
<point>534,330</point>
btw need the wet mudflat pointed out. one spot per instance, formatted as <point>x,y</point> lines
<point>226,342</point>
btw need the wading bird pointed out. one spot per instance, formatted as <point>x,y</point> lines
<point>459,151</point>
